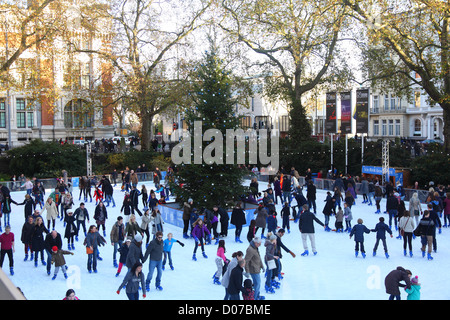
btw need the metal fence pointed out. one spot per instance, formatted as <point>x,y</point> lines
<point>52,183</point>
<point>323,184</point>
<point>328,184</point>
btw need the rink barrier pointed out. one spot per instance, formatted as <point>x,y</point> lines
<point>8,291</point>
<point>172,213</point>
<point>323,184</point>
<point>328,184</point>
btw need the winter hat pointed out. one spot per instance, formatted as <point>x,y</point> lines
<point>54,248</point>
<point>415,280</point>
<point>138,237</point>
<point>273,237</point>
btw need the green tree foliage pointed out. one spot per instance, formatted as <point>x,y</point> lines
<point>433,167</point>
<point>210,184</point>
<point>406,48</point>
<point>46,159</point>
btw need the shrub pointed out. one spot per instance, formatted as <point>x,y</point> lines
<point>44,159</point>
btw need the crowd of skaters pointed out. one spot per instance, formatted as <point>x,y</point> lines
<point>128,236</point>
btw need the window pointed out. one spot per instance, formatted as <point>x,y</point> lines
<point>375,104</point>
<point>397,128</point>
<point>284,123</point>
<point>376,127</point>
<point>386,102</point>
<point>77,114</point>
<point>383,128</point>
<point>392,103</point>
<point>21,113</point>
<point>417,99</point>
<point>85,76</point>
<point>417,127</point>
<point>246,122</point>
<point>2,113</point>
<point>391,127</point>
<point>30,119</point>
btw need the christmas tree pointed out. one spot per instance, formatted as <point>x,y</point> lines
<point>213,182</point>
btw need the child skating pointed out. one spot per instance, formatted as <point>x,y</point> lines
<point>358,231</point>
<point>348,217</point>
<point>221,261</point>
<point>198,232</point>
<point>414,291</point>
<point>59,261</point>
<point>167,250</point>
<point>381,228</point>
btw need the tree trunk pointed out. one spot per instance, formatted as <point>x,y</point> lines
<point>446,116</point>
<point>146,130</point>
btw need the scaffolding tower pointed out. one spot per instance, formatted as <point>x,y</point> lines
<point>385,162</point>
<point>88,159</point>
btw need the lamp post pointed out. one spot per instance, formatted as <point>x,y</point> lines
<point>8,107</point>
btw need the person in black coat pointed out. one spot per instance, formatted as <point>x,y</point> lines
<point>392,209</point>
<point>52,239</point>
<point>134,195</point>
<point>108,190</point>
<point>30,206</point>
<point>223,218</point>
<point>37,240</point>
<point>238,220</point>
<point>286,188</point>
<point>437,223</point>
<point>71,230</point>
<point>100,216</point>
<point>328,209</point>
<point>393,279</point>
<point>81,215</point>
<point>306,227</point>
<point>27,232</point>
<point>301,200</point>
<point>381,228</point>
<point>235,283</point>
<point>311,195</point>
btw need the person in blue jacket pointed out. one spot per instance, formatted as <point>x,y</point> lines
<point>381,228</point>
<point>358,230</point>
<point>167,249</point>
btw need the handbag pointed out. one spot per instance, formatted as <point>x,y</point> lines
<point>89,250</point>
<point>271,264</point>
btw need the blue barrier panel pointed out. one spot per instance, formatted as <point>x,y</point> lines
<point>173,214</point>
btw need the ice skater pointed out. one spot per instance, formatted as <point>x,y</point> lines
<point>358,231</point>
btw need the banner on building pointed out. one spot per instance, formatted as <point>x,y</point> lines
<point>331,118</point>
<point>362,111</point>
<point>346,112</point>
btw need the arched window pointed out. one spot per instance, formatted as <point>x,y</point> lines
<point>77,114</point>
<point>417,127</point>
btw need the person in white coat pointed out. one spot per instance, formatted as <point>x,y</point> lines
<point>406,224</point>
<point>52,212</point>
<point>415,209</point>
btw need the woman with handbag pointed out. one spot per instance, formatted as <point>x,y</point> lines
<point>269,258</point>
<point>415,208</point>
<point>93,241</point>
<point>407,226</point>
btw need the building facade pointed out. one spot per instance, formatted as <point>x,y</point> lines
<point>395,117</point>
<point>55,88</point>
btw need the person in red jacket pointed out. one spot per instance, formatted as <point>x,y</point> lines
<point>7,248</point>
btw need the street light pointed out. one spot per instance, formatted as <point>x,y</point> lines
<point>8,111</point>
